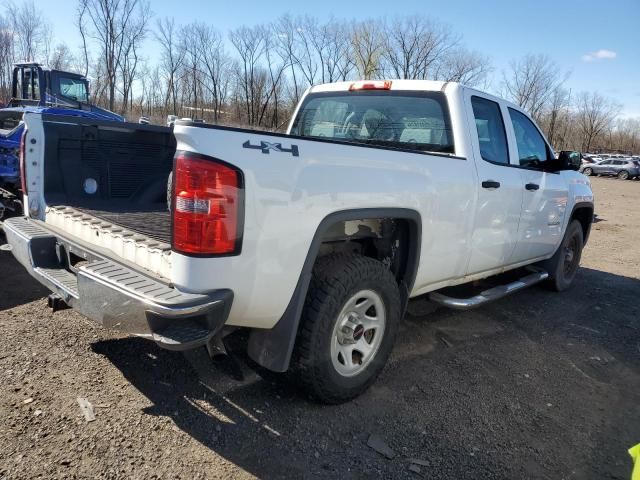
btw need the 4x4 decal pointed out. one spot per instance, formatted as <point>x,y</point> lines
<point>266,147</point>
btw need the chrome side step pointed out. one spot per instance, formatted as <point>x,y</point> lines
<point>491,294</point>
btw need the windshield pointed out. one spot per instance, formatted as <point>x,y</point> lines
<point>408,120</point>
<point>73,88</point>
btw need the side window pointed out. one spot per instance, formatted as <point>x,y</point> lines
<point>18,92</point>
<point>490,128</point>
<point>532,149</point>
<point>36,84</point>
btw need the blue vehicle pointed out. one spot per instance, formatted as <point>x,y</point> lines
<point>36,88</point>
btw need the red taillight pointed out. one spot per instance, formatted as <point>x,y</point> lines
<point>370,85</point>
<point>206,206</point>
<point>23,169</point>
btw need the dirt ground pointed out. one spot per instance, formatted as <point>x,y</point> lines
<point>539,385</point>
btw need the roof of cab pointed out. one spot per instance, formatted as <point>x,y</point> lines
<point>46,68</point>
<point>424,85</point>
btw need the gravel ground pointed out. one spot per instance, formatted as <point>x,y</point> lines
<point>538,385</point>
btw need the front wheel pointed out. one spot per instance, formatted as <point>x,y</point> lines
<point>588,171</point>
<point>348,327</point>
<point>623,175</point>
<point>563,266</point>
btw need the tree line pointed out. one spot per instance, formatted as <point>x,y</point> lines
<point>254,75</point>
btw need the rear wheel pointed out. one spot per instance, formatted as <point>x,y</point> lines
<point>349,323</point>
<point>623,175</point>
<point>563,266</point>
<point>588,171</point>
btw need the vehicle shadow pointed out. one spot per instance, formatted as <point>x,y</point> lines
<point>17,286</point>
<point>251,423</point>
<point>436,398</point>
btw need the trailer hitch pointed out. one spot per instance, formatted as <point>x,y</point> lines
<point>56,302</point>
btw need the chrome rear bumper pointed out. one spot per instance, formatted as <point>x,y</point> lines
<point>115,295</point>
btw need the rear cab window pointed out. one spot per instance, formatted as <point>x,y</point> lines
<point>492,136</point>
<point>408,120</point>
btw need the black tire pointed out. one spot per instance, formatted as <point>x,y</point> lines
<point>623,175</point>
<point>336,279</point>
<point>588,171</point>
<point>561,271</point>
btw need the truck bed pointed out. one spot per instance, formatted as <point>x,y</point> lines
<point>152,222</point>
<point>128,165</point>
<point>141,237</point>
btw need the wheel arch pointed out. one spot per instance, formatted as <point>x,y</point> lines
<point>583,212</point>
<point>272,348</point>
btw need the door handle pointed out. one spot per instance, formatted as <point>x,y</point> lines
<point>490,184</point>
<point>532,186</point>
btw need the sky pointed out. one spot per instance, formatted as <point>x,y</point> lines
<point>596,41</point>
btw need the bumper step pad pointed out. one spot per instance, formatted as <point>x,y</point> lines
<point>118,296</point>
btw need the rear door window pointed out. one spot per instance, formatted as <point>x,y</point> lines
<point>401,119</point>
<point>490,128</point>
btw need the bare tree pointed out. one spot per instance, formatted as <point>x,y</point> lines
<point>6,60</point>
<point>367,47</point>
<point>285,31</point>
<point>556,115</point>
<point>116,26</point>
<point>339,62</point>
<point>415,45</point>
<point>215,65</point>
<point>595,114</point>
<point>30,30</point>
<point>260,79</point>
<point>130,58</point>
<point>626,135</point>
<point>276,73</point>
<point>128,72</point>
<point>531,81</point>
<point>249,44</point>
<point>172,57</point>
<point>190,43</point>
<point>463,66</point>
<point>61,57</point>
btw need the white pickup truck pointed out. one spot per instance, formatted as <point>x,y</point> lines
<point>312,241</point>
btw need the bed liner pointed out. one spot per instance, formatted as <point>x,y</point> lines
<point>154,223</point>
<point>142,237</point>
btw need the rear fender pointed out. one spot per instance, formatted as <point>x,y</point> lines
<point>272,348</point>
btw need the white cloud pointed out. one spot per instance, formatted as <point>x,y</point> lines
<point>602,54</point>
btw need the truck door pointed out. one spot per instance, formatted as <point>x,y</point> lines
<point>545,193</point>
<point>500,189</point>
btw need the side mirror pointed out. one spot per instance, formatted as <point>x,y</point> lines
<point>569,160</point>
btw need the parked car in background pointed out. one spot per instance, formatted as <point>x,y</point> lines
<point>586,159</point>
<point>623,168</point>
